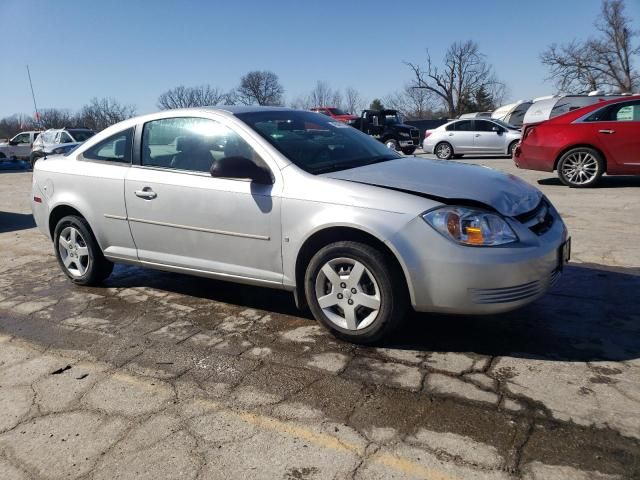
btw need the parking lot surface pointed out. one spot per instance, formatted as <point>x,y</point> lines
<point>160,375</point>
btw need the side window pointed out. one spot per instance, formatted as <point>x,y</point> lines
<point>192,144</point>
<point>65,138</point>
<point>22,138</point>
<point>626,112</point>
<point>116,148</point>
<point>619,112</point>
<point>484,126</point>
<point>464,126</point>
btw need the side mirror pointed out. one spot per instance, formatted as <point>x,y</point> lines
<point>12,142</point>
<point>241,167</point>
<point>498,130</point>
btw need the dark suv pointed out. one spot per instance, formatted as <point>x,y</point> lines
<point>387,126</point>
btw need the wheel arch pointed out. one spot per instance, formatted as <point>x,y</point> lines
<point>60,211</point>
<point>580,145</point>
<point>328,235</point>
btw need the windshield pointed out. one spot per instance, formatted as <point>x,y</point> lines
<point>392,119</point>
<point>81,135</point>
<point>337,111</point>
<point>315,143</point>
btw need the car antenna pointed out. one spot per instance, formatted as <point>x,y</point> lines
<point>33,96</point>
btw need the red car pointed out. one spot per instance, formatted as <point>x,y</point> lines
<point>336,113</point>
<point>585,143</point>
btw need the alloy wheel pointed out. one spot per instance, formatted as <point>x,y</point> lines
<point>443,151</point>
<point>73,251</point>
<point>580,168</point>
<point>348,293</point>
<point>391,144</point>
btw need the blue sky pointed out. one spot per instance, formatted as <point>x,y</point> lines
<point>135,50</point>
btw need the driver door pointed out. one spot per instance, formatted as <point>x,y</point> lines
<point>182,217</point>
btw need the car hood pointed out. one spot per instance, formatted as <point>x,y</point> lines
<point>448,182</point>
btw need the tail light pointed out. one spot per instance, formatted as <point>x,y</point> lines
<point>427,133</point>
<point>527,131</point>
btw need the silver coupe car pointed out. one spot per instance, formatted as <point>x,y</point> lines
<point>298,201</point>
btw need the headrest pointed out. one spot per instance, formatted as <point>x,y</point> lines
<point>119,147</point>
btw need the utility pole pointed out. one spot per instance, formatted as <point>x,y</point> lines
<point>33,96</point>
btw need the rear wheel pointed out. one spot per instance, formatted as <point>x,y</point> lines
<point>581,167</point>
<point>355,291</point>
<point>512,146</point>
<point>78,253</point>
<point>443,150</point>
<point>409,150</point>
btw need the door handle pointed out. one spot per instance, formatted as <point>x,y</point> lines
<point>477,134</point>
<point>608,132</point>
<point>146,193</point>
<point>451,134</point>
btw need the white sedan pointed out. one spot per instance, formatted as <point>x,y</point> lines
<point>471,136</point>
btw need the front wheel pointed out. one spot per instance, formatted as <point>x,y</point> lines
<point>78,252</point>
<point>391,144</point>
<point>355,291</point>
<point>581,167</point>
<point>444,151</point>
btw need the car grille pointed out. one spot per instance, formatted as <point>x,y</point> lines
<point>414,133</point>
<point>506,294</point>
<point>539,220</point>
<point>515,293</point>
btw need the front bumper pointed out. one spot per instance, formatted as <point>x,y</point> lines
<point>446,277</point>
<point>406,143</point>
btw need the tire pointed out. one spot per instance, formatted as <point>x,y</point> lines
<point>512,146</point>
<point>392,144</point>
<point>78,252</point>
<point>380,286</point>
<point>409,150</point>
<point>581,167</point>
<point>443,151</point>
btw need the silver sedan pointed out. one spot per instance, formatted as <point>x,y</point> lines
<point>294,200</point>
<point>478,136</point>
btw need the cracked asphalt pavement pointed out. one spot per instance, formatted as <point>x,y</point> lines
<point>159,375</point>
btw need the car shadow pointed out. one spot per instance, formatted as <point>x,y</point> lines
<point>605,182</point>
<point>590,315</point>
<point>10,221</point>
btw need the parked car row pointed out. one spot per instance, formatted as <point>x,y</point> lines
<point>32,145</point>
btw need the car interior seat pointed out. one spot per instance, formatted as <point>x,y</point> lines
<point>193,154</point>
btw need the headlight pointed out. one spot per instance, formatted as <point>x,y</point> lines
<point>470,226</point>
<point>404,134</point>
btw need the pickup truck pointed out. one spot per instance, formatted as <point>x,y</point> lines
<point>387,126</point>
<point>18,147</point>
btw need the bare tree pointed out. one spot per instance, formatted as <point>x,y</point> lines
<point>302,102</point>
<point>354,103</point>
<point>463,72</point>
<point>602,62</point>
<point>101,113</point>
<point>324,96</point>
<point>185,97</point>
<point>56,118</point>
<point>9,126</point>
<point>412,103</point>
<point>261,87</point>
